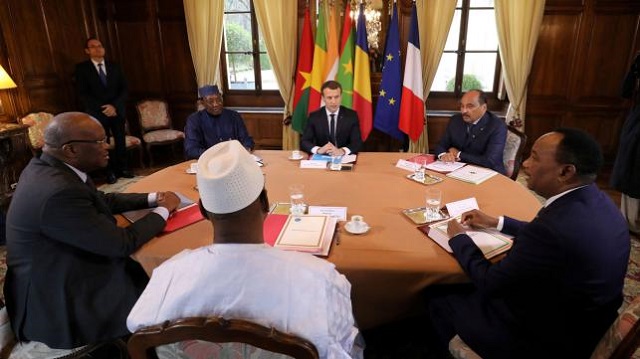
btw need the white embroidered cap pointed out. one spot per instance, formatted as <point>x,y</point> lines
<point>228,178</point>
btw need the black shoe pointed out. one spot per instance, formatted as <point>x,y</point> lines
<point>126,174</point>
<point>111,178</point>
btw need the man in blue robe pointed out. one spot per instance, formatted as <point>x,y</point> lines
<point>213,124</point>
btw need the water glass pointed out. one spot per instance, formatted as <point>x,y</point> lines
<point>434,199</point>
<point>296,194</point>
<point>418,174</point>
<point>336,163</point>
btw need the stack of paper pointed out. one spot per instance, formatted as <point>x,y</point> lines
<point>310,234</point>
<point>441,166</point>
<point>472,174</point>
<point>490,241</point>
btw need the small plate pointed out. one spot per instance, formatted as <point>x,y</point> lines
<point>417,215</point>
<point>428,179</point>
<point>351,229</point>
<point>189,171</point>
<point>296,158</point>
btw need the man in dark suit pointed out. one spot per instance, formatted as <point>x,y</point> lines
<point>475,135</point>
<point>333,129</point>
<point>70,280</point>
<point>558,290</point>
<point>102,88</point>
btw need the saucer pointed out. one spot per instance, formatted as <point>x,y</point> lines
<point>296,158</point>
<point>189,171</point>
<point>351,229</point>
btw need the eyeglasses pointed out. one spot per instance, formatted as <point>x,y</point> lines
<point>96,142</point>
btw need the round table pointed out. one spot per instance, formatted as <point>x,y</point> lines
<point>388,266</point>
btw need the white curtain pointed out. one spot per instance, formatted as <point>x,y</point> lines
<point>518,24</point>
<point>278,22</point>
<point>434,21</point>
<point>204,20</point>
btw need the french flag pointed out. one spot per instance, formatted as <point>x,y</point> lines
<point>411,119</point>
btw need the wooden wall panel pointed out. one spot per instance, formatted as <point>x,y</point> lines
<point>549,75</point>
<point>605,61</point>
<point>177,63</point>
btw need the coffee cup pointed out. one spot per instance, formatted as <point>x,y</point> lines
<point>357,222</point>
<point>295,154</point>
<point>193,168</point>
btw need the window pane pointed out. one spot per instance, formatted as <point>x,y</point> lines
<point>481,3</point>
<point>262,47</point>
<point>459,4</point>
<point>268,76</point>
<point>479,71</point>
<point>454,33</point>
<point>236,5</point>
<point>482,33</point>
<point>240,74</point>
<point>446,75</point>
<point>237,32</point>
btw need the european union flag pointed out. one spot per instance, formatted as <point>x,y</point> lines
<point>388,106</point>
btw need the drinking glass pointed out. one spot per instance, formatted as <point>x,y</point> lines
<point>434,199</point>
<point>296,194</point>
<point>336,163</point>
<point>418,174</point>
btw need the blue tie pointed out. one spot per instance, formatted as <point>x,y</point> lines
<point>103,76</point>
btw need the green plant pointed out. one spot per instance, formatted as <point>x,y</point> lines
<point>469,82</point>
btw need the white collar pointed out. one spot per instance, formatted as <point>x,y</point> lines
<point>551,199</point>
<point>83,176</point>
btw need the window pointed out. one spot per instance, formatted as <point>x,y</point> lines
<point>470,58</point>
<point>245,62</point>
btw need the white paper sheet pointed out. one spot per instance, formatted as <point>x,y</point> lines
<point>459,207</point>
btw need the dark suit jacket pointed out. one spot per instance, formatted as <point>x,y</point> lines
<point>94,94</point>
<point>557,290</point>
<point>484,146</point>
<point>70,280</point>
<point>347,130</point>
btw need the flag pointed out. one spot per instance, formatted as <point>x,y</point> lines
<point>332,59</point>
<point>412,104</point>
<point>303,77</point>
<point>345,68</point>
<point>317,69</point>
<point>388,106</point>
<point>361,78</point>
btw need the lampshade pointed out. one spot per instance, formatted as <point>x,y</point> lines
<point>5,80</point>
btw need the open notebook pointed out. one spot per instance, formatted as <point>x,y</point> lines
<point>490,241</point>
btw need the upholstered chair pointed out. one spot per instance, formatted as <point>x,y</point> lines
<point>155,124</point>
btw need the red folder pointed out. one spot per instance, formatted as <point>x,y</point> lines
<point>183,217</point>
<point>427,158</point>
<point>272,227</point>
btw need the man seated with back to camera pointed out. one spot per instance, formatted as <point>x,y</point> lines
<point>290,291</point>
<point>559,287</point>
<point>475,135</point>
<point>333,129</point>
<point>213,124</point>
<point>70,279</point>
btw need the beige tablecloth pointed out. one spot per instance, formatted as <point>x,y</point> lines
<point>388,266</point>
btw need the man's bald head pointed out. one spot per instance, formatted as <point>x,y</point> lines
<point>77,139</point>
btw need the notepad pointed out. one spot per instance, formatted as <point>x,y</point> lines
<point>137,214</point>
<point>490,241</point>
<point>472,174</point>
<point>310,234</point>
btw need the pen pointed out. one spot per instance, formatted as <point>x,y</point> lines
<point>337,235</point>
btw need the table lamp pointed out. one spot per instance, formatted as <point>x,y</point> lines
<point>5,83</point>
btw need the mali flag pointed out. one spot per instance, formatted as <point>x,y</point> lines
<point>388,106</point>
<point>319,58</point>
<point>412,106</point>
<point>303,77</point>
<point>361,78</point>
<point>345,69</point>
